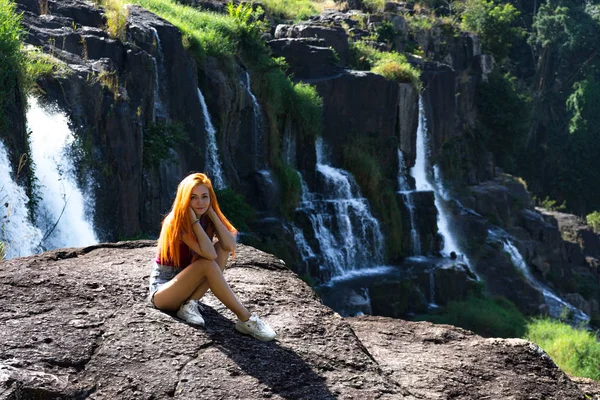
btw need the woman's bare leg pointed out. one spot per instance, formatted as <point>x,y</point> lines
<point>177,290</point>
<point>221,260</point>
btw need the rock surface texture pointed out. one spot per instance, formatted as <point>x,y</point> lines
<point>75,324</point>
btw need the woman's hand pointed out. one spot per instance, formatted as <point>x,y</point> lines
<point>212,214</point>
<point>192,215</point>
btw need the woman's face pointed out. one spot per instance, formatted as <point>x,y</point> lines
<point>200,199</point>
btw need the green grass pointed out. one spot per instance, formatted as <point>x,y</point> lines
<point>489,317</point>
<point>296,10</point>
<point>40,64</point>
<point>575,351</point>
<point>391,65</point>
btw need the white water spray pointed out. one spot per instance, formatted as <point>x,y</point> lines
<point>213,165</point>
<point>19,237</point>
<point>555,304</point>
<point>349,237</point>
<point>61,210</point>
<point>159,110</point>
<point>257,123</point>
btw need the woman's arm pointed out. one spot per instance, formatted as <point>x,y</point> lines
<point>226,239</point>
<point>201,244</point>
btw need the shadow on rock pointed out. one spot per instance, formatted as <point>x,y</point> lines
<point>279,369</point>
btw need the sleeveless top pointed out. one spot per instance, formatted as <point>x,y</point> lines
<point>186,255</point>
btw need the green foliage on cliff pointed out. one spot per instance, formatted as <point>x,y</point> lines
<point>575,351</point>
<point>12,61</point>
<point>593,220</point>
<point>391,65</point>
<point>497,24</point>
<point>291,189</point>
<point>503,124</point>
<point>489,317</point>
<point>239,213</point>
<point>159,139</point>
<point>360,157</point>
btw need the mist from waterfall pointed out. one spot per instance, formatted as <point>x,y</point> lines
<point>213,165</point>
<point>61,213</point>
<point>19,237</point>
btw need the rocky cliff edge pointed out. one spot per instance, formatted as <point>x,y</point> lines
<point>75,324</point>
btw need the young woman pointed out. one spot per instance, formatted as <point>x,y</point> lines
<point>189,262</point>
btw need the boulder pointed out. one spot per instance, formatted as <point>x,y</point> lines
<point>334,37</point>
<point>492,368</point>
<point>574,229</point>
<point>75,324</point>
<point>308,58</point>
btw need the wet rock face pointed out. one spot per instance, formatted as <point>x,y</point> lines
<point>75,323</point>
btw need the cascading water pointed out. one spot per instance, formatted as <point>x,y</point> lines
<point>421,173</point>
<point>213,165</point>
<point>432,303</point>
<point>556,305</point>
<point>257,123</point>
<point>18,236</point>
<point>349,237</point>
<point>407,194</point>
<point>159,110</point>
<point>61,213</point>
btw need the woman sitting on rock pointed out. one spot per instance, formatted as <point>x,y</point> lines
<point>188,263</point>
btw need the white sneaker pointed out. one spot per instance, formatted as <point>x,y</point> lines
<point>189,312</point>
<point>256,328</point>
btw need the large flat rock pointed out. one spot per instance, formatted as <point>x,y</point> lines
<point>76,324</point>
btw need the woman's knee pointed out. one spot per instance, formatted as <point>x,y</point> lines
<point>206,266</point>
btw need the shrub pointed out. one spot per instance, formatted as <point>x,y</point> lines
<point>374,6</point>
<point>159,138</point>
<point>489,317</point>
<point>575,351</point>
<point>238,212</point>
<point>593,220</point>
<point>291,189</point>
<point>12,62</point>
<point>116,17</point>
<point>391,65</point>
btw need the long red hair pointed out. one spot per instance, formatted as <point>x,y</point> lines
<point>177,222</point>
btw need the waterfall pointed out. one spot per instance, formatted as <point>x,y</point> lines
<point>289,148</point>
<point>420,170</point>
<point>403,184</point>
<point>421,173</point>
<point>17,234</point>
<point>555,303</point>
<point>349,237</point>
<point>257,123</point>
<point>61,212</point>
<point>432,303</point>
<point>407,193</point>
<point>159,110</point>
<point>213,165</point>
